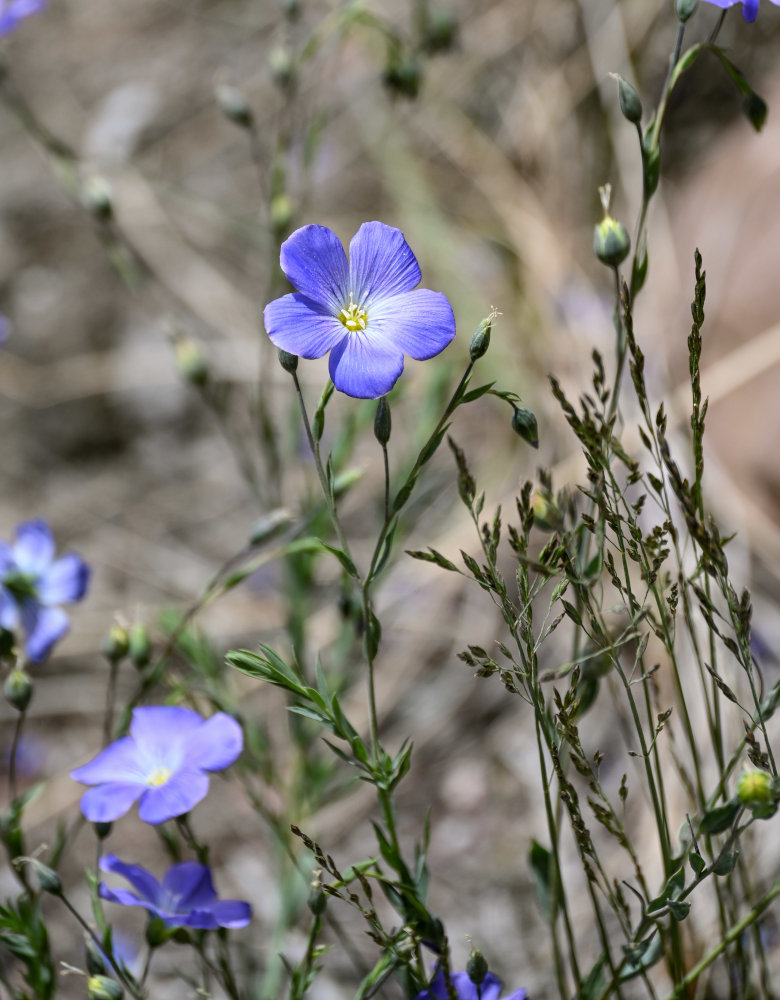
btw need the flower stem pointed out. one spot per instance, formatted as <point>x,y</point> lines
<point>12,758</point>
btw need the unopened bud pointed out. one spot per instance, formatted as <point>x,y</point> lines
<point>288,361</point>
<point>102,830</point>
<point>382,423</point>
<point>480,341</point>
<point>97,197</point>
<point>524,424</point>
<point>439,31</point>
<point>684,8</point>
<point>403,75</point>
<point>629,101</point>
<point>317,901</point>
<point>282,213</point>
<point>756,790</point>
<point>282,67</point>
<point>755,110</point>
<point>103,988</point>
<point>291,8</point>
<point>18,689</point>
<point>611,241</point>
<point>48,879</point>
<point>234,105</point>
<point>139,647</point>
<point>95,962</point>
<point>547,516</point>
<point>115,643</point>
<point>476,967</point>
<point>191,361</point>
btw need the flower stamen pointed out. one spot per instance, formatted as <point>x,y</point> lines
<point>159,776</point>
<point>353,317</point>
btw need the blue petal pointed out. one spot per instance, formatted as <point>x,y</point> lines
<point>750,10</point>
<point>44,626</point>
<point>419,323</point>
<point>9,610</point>
<point>188,885</point>
<point>139,878</point>
<point>108,802</point>
<point>222,913</point>
<point>314,262</point>
<point>380,264</point>
<point>64,581</point>
<point>364,367</point>
<point>177,796</point>
<point>118,762</point>
<point>216,744</point>
<point>301,326</point>
<point>33,549</point>
<point>126,898</point>
<point>161,732</point>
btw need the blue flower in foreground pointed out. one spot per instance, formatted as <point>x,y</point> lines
<point>163,762</point>
<point>749,7</point>
<point>465,989</point>
<point>185,897</point>
<point>367,312</point>
<point>14,11</point>
<point>33,583</point>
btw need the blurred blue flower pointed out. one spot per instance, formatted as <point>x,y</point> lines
<point>465,989</point>
<point>185,898</point>
<point>163,762</point>
<point>749,7</point>
<point>367,312</point>
<point>14,11</point>
<point>33,583</point>
<point>5,329</point>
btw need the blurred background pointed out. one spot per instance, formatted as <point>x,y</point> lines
<point>481,128</point>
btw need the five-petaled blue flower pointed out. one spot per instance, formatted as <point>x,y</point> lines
<point>366,311</point>
<point>163,762</point>
<point>33,583</point>
<point>749,7</point>
<point>14,11</point>
<point>185,898</point>
<point>465,989</point>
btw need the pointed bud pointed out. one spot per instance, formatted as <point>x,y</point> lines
<point>97,197</point>
<point>234,105</point>
<point>282,213</point>
<point>403,75</point>
<point>685,8</point>
<point>629,101</point>
<point>382,423</point>
<point>755,110</point>
<point>18,689</point>
<point>282,67</point>
<point>48,879</point>
<point>481,338</point>
<point>439,31</point>
<point>139,647</point>
<point>288,361</point>
<point>96,964</point>
<point>524,424</point>
<point>103,988</point>
<point>476,967</point>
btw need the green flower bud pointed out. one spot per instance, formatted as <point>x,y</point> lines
<point>139,647</point>
<point>97,197</point>
<point>318,899</point>
<point>611,241</point>
<point>756,790</point>
<point>95,962</point>
<point>234,105</point>
<point>282,213</point>
<point>476,967</point>
<point>191,361</point>
<point>403,75</point>
<point>291,9</point>
<point>102,830</point>
<point>382,423</point>
<point>439,31</point>
<point>115,643</point>
<point>288,361</point>
<point>103,988</point>
<point>18,689</point>
<point>547,516</point>
<point>282,67</point>
<point>629,101</point>
<point>524,424</point>
<point>157,932</point>
<point>755,110</point>
<point>480,341</point>
<point>48,879</point>
<point>684,8</point>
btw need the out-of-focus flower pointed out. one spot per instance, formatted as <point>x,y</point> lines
<point>5,329</point>
<point>185,898</point>
<point>163,762</point>
<point>749,7</point>
<point>14,11</point>
<point>465,989</point>
<point>367,312</point>
<point>33,583</point>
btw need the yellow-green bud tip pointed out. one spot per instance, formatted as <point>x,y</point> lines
<point>18,689</point>
<point>103,988</point>
<point>755,788</point>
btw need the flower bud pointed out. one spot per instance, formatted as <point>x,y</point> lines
<point>18,689</point>
<point>439,31</point>
<point>191,361</point>
<point>282,67</point>
<point>476,967</point>
<point>481,338</point>
<point>139,647</point>
<point>102,830</point>
<point>270,525</point>
<point>48,879</point>
<point>317,900</point>
<point>282,213</point>
<point>755,789</point>
<point>547,516</point>
<point>115,643</point>
<point>103,988</point>
<point>629,101</point>
<point>291,9</point>
<point>382,423</point>
<point>524,424</point>
<point>684,8</point>
<point>95,962</point>
<point>157,932</point>
<point>97,197</point>
<point>403,75</point>
<point>288,361</point>
<point>611,241</point>
<point>234,105</point>
<point>755,110</point>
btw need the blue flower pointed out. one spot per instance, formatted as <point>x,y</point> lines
<point>14,11</point>
<point>185,898</point>
<point>33,582</point>
<point>749,7</point>
<point>163,762</point>
<point>367,312</point>
<point>465,989</point>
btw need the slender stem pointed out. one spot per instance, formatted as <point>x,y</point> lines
<point>108,718</point>
<point>14,750</point>
<point>137,994</point>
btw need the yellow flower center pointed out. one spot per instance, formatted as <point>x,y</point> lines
<point>159,776</point>
<point>353,317</point>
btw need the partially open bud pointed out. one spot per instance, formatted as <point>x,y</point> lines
<point>18,689</point>
<point>524,424</point>
<point>115,643</point>
<point>48,879</point>
<point>611,241</point>
<point>234,105</point>
<point>103,988</point>
<point>756,790</point>
<point>382,423</point>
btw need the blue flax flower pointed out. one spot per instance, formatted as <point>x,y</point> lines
<point>33,583</point>
<point>749,7</point>
<point>185,898</point>
<point>14,11</point>
<point>366,311</point>
<point>163,762</point>
<point>465,989</point>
